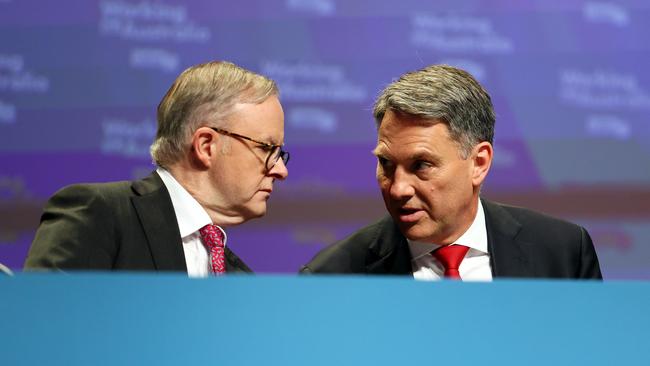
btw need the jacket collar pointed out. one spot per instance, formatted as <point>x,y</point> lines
<point>156,212</point>
<point>388,252</point>
<point>509,257</point>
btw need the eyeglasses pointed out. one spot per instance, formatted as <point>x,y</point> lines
<point>275,151</point>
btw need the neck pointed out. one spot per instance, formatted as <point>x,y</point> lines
<point>198,185</point>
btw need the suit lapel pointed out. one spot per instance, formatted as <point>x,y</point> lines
<point>389,252</point>
<point>156,213</point>
<point>234,264</point>
<point>508,256</point>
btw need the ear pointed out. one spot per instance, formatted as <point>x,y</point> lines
<point>482,160</point>
<point>204,147</point>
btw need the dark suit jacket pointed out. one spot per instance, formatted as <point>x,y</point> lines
<point>521,243</point>
<point>113,226</point>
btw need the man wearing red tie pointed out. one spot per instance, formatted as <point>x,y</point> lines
<point>434,150</point>
<point>218,149</point>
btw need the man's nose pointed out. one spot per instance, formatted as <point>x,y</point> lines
<point>279,170</point>
<point>402,185</point>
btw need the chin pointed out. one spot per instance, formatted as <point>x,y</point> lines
<point>417,232</point>
<point>257,215</point>
<point>257,212</point>
<point>415,236</point>
<point>410,231</point>
<point>247,213</point>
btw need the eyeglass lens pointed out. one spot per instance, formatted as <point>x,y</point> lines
<point>275,156</point>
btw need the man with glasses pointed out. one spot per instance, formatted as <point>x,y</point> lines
<point>218,149</point>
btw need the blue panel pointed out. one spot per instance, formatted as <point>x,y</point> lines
<point>170,320</point>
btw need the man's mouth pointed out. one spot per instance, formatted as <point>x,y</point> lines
<point>409,214</point>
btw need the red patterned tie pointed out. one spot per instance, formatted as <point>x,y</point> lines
<point>450,256</point>
<point>213,237</point>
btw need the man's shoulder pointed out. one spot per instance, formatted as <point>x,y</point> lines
<point>104,188</point>
<point>349,254</point>
<point>92,194</point>
<point>110,191</point>
<point>552,247</point>
<point>526,215</point>
<point>532,225</point>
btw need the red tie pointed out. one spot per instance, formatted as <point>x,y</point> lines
<point>450,256</point>
<point>213,237</point>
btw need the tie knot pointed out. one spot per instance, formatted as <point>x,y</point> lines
<point>451,256</point>
<point>212,236</point>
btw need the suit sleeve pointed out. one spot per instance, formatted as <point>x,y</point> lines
<point>589,266</point>
<point>76,232</point>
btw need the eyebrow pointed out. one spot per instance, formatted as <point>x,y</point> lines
<point>378,151</point>
<point>270,140</point>
<point>421,155</point>
<point>418,155</point>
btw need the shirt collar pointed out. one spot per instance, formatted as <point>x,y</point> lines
<point>475,237</point>
<point>191,216</point>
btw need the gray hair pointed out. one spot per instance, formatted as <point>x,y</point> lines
<point>201,95</point>
<point>446,93</point>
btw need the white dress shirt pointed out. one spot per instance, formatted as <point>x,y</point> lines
<point>475,266</point>
<point>191,217</point>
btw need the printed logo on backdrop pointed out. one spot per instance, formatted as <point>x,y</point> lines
<point>609,91</point>
<point>606,13</point>
<point>319,119</point>
<point>610,126</point>
<point>305,84</point>
<point>316,7</point>
<point>602,89</point>
<point>154,58</point>
<point>458,33</point>
<point>16,78</point>
<point>313,82</point>
<point>150,21</point>
<point>127,138</point>
<point>154,23</point>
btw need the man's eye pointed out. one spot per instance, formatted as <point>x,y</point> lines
<point>421,165</point>
<point>383,162</point>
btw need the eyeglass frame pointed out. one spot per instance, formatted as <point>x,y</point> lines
<point>281,155</point>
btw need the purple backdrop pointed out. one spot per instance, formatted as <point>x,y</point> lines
<point>80,81</point>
